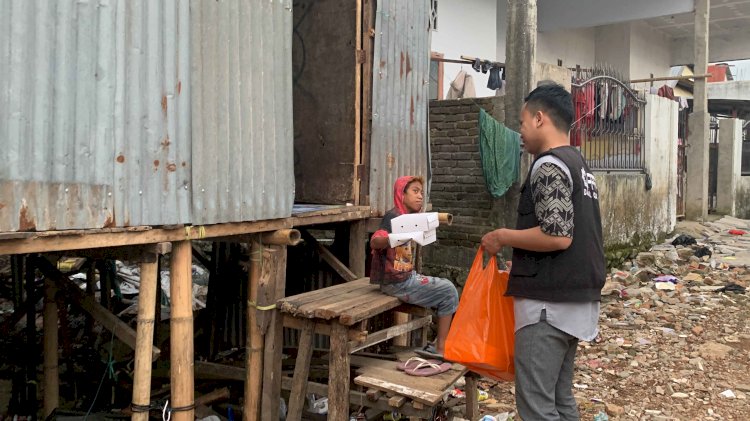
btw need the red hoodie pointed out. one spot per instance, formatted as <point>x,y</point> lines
<point>393,265</point>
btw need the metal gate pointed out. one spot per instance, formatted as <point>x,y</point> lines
<point>682,134</point>
<point>713,162</point>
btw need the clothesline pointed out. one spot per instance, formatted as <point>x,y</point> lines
<point>468,60</point>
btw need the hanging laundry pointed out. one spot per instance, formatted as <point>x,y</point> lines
<point>666,92</point>
<point>494,81</point>
<point>500,151</point>
<point>462,87</point>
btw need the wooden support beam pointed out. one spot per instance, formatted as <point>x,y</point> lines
<point>136,253</point>
<point>301,371</point>
<point>111,322</point>
<point>338,399</point>
<point>274,338</point>
<point>472,402</point>
<point>181,331</point>
<point>391,332</point>
<point>330,258</point>
<point>397,401</point>
<point>323,328</point>
<point>88,239</point>
<point>144,339</point>
<point>51,378</point>
<point>400,319</point>
<point>255,345</point>
<point>357,257</point>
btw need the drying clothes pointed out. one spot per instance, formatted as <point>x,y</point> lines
<point>666,92</point>
<point>500,151</point>
<point>494,81</point>
<point>462,87</point>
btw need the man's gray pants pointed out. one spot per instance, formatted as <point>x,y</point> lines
<point>544,362</point>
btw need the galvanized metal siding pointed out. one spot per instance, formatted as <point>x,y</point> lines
<point>95,120</point>
<point>56,90</point>
<point>242,110</point>
<point>400,97</point>
<point>152,111</point>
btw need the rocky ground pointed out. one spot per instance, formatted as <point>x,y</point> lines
<point>674,339</point>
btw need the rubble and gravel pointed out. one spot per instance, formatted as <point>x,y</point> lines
<point>678,349</point>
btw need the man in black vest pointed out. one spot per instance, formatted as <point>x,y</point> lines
<point>558,265</point>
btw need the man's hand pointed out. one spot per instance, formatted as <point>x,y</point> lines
<point>493,241</point>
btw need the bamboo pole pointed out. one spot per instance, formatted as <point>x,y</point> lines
<point>254,340</point>
<point>144,339</point>
<point>283,237</point>
<point>445,218</point>
<point>662,78</point>
<point>181,335</point>
<point>51,382</point>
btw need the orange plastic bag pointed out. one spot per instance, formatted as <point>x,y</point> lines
<point>482,333</point>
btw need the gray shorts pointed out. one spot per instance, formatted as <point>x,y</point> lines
<point>426,291</point>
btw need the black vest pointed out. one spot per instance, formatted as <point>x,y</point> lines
<point>574,274</point>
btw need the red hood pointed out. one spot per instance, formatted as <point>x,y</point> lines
<point>398,193</point>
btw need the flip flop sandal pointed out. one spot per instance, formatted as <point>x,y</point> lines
<point>413,362</point>
<point>426,369</point>
<point>429,351</point>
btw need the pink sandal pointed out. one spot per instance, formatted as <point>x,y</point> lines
<point>427,368</point>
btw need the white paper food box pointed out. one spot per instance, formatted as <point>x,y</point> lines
<point>413,222</point>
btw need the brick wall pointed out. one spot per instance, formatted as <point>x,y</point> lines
<point>458,186</point>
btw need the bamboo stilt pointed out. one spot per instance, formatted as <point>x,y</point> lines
<point>51,378</point>
<point>144,339</point>
<point>181,335</point>
<point>255,345</point>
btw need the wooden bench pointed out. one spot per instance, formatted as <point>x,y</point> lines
<point>341,312</point>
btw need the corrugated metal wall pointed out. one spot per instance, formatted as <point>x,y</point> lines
<point>242,110</point>
<point>400,97</point>
<point>95,112</point>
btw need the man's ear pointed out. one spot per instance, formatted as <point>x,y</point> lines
<point>538,118</point>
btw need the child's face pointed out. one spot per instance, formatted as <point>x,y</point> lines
<point>413,196</point>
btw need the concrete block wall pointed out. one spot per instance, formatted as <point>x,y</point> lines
<point>458,186</point>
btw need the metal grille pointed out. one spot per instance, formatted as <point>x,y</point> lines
<point>609,123</point>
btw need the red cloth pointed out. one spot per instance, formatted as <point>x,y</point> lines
<point>737,232</point>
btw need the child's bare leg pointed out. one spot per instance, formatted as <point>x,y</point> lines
<point>444,325</point>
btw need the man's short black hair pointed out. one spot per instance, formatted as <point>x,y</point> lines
<point>555,101</point>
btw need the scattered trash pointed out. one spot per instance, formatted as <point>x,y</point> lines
<point>737,232</point>
<point>732,287</point>
<point>601,416</point>
<point>727,394</point>
<point>683,240</point>
<point>703,251</point>
<point>317,405</point>
<point>666,278</point>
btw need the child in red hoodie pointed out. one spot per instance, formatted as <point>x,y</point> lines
<point>393,267</point>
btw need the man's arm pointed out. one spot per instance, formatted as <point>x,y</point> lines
<point>532,239</point>
<point>379,243</point>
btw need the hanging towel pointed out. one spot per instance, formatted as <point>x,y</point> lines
<point>500,151</point>
<point>462,87</point>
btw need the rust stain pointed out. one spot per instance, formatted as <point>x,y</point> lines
<point>408,64</point>
<point>165,143</point>
<point>411,110</point>
<point>171,167</point>
<point>25,222</point>
<point>109,222</point>
<point>2,205</point>
<point>184,164</point>
<point>391,160</point>
<point>382,64</point>
<point>401,71</point>
<point>120,158</point>
<point>156,162</point>
<point>179,87</point>
<point>164,104</point>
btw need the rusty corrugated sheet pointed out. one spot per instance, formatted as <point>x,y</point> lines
<point>95,128</point>
<point>242,110</point>
<point>400,97</point>
<point>95,112</point>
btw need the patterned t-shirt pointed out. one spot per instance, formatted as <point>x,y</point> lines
<point>552,189</point>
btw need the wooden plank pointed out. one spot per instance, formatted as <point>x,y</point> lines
<point>354,315</point>
<point>362,212</point>
<point>310,296</point>
<point>322,328</point>
<point>397,401</point>
<point>301,371</point>
<point>373,394</point>
<point>181,331</point>
<point>391,332</point>
<point>472,406</point>
<point>144,339</point>
<point>330,258</point>
<point>352,302</point>
<point>311,309</point>
<point>108,320</point>
<point>272,354</point>
<point>401,319</point>
<point>359,399</point>
<point>368,34</point>
<point>87,240</point>
<point>209,370</point>
<point>338,398</point>
<point>357,256</point>
<point>359,60</point>
<point>429,398</point>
